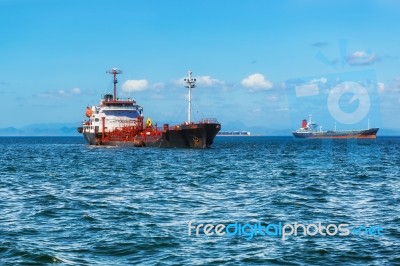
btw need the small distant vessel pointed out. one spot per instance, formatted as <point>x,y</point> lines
<point>120,122</point>
<point>234,133</point>
<point>309,130</point>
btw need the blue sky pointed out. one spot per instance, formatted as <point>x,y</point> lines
<point>248,57</point>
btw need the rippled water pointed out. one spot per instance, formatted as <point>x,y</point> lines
<point>64,202</point>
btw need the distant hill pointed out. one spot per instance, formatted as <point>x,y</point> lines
<point>255,130</point>
<point>388,132</point>
<point>50,129</point>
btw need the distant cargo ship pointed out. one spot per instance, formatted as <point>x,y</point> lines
<point>120,122</point>
<point>309,130</point>
<point>234,133</point>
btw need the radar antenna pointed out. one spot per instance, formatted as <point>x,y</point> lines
<point>190,83</point>
<point>115,72</point>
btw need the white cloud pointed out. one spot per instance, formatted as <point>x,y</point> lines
<point>75,91</point>
<point>282,85</point>
<point>158,86</point>
<point>391,87</point>
<point>282,109</point>
<point>310,88</point>
<point>272,98</point>
<point>381,87</point>
<point>202,81</point>
<point>256,82</point>
<point>355,88</point>
<point>59,93</point>
<point>179,82</point>
<point>320,80</point>
<point>135,85</point>
<point>396,85</point>
<point>307,90</point>
<point>361,58</point>
<point>207,81</point>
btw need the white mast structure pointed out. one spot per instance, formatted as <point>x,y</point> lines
<point>190,83</point>
<point>115,71</point>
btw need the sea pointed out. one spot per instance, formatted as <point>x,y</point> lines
<point>244,201</point>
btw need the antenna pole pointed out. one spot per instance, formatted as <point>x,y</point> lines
<point>190,83</point>
<point>115,72</point>
<point>189,104</point>
<point>115,86</point>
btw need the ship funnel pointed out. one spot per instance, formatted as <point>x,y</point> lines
<point>304,123</point>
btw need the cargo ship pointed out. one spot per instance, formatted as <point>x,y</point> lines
<point>310,130</point>
<point>120,122</point>
<point>234,133</point>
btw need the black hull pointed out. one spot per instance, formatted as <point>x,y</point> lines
<point>187,136</point>
<point>183,136</point>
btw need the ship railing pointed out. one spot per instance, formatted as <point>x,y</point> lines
<point>122,107</point>
<point>121,100</point>
<point>110,99</point>
<point>208,121</point>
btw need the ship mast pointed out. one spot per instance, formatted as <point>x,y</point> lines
<point>190,83</point>
<point>115,72</point>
